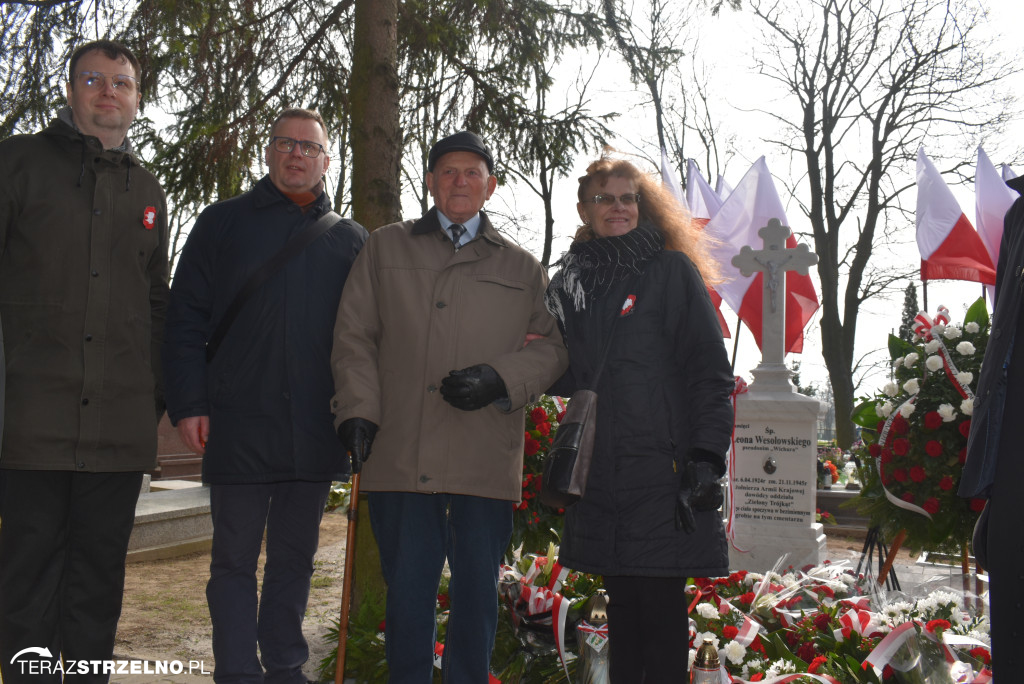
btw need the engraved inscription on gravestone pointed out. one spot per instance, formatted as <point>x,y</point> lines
<point>779,491</point>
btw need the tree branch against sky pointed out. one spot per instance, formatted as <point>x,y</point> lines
<point>867,83</point>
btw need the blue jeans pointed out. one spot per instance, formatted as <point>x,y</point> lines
<point>291,513</point>
<point>416,533</point>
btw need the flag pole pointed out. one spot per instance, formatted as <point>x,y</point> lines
<point>736,343</point>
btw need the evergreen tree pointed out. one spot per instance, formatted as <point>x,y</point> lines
<point>910,309</point>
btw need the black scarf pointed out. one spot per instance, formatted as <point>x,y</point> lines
<point>591,267</point>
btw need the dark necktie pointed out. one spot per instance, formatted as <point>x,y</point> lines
<point>458,230</point>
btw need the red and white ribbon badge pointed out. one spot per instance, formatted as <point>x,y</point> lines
<point>627,306</point>
<point>149,218</point>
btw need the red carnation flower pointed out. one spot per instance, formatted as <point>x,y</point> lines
<point>874,449</point>
<point>886,456</point>
<point>963,456</point>
<point>931,505</point>
<point>965,427</point>
<point>937,624</point>
<point>918,474</point>
<point>757,677</point>
<point>539,415</point>
<point>806,652</point>
<point>544,428</point>
<point>900,475</point>
<point>900,446</point>
<point>933,448</point>
<point>815,664</point>
<point>946,483</point>
<point>977,505</point>
<point>729,632</point>
<point>531,447</point>
<point>900,425</point>
<point>908,497</point>
<point>821,621</point>
<point>932,420</point>
<point>981,653</point>
<point>747,598</point>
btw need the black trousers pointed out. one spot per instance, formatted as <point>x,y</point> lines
<point>63,540</point>
<point>243,617</point>
<point>647,629</point>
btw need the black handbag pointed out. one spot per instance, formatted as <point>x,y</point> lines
<point>571,451</point>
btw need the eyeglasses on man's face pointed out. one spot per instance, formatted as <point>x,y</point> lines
<point>608,200</point>
<point>286,145</point>
<point>95,80</point>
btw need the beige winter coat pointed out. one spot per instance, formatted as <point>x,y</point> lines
<point>412,310</point>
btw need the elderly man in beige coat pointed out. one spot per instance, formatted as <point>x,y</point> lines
<point>432,367</point>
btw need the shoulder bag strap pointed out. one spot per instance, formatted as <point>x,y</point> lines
<point>295,244</point>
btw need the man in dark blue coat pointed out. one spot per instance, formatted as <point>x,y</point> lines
<point>257,405</point>
<point>995,466</point>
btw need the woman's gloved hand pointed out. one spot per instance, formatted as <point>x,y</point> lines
<point>700,488</point>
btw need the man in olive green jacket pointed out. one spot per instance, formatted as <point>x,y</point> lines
<point>83,291</point>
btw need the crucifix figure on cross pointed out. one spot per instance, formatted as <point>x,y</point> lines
<point>774,260</point>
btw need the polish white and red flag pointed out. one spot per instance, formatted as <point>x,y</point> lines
<point>735,225</point>
<point>669,179</point>
<point>950,247</point>
<point>722,187</point>
<point>703,203</point>
<point>992,199</point>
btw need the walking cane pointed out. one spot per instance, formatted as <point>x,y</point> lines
<point>346,585</point>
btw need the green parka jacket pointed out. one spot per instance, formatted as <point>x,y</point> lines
<point>83,294</point>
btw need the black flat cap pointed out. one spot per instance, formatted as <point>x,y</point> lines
<point>463,141</point>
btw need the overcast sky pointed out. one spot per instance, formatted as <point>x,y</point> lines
<point>742,91</point>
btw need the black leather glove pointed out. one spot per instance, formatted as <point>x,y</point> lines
<point>699,490</point>
<point>473,388</point>
<point>357,435</point>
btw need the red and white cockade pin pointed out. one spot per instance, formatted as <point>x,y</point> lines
<point>627,306</point>
<point>149,218</point>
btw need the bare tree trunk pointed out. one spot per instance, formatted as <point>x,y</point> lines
<point>376,197</point>
<point>373,96</point>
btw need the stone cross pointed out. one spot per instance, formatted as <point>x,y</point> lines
<point>774,260</point>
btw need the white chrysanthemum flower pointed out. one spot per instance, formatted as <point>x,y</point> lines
<point>910,359</point>
<point>931,346</point>
<point>972,327</point>
<point>907,409</point>
<point>938,329</point>
<point>883,410</point>
<point>735,652</point>
<point>780,667</point>
<point>967,406</point>
<point>947,412</point>
<point>898,609</point>
<point>891,389</point>
<point>897,362</point>
<point>927,606</point>
<point>958,617</point>
<point>848,579</point>
<point>965,377</point>
<point>983,637</point>
<point>707,611</point>
<point>912,386</point>
<point>693,656</point>
<point>752,578</point>
<point>933,363</point>
<point>965,348</point>
<point>951,332</point>
<point>883,628</point>
<point>943,597</point>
